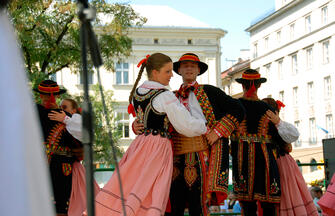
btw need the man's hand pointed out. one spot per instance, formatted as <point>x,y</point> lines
<point>57,116</point>
<point>138,127</point>
<point>212,137</point>
<point>273,117</point>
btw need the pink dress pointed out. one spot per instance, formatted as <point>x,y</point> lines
<point>146,167</point>
<point>295,198</point>
<point>77,202</point>
<point>327,201</point>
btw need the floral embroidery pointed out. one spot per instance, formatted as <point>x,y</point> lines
<point>140,114</point>
<point>274,189</point>
<point>206,106</point>
<point>67,169</point>
<point>141,98</point>
<point>190,172</point>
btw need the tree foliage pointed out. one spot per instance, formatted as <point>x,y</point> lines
<point>49,33</point>
<point>102,145</point>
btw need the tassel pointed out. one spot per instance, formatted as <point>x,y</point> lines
<point>131,110</point>
<point>252,90</point>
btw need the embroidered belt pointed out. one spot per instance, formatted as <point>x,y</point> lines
<point>183,144</point>
<point>155,132</point>
<point>250,139</point>
<point>59,152</point>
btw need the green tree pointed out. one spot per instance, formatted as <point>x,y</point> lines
<point>49,34</point>
<point>48,31</point>
<point>102,146</point>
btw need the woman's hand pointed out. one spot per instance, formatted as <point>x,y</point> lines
<point>273,117</point>
<point>57,116</point>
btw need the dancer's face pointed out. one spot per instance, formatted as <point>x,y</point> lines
<point>67,107</point>
<point>164,74</point>
<point>189,71</point>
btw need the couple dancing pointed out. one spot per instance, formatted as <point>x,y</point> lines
<point>198,119</point>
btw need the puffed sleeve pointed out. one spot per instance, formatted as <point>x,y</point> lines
<point>178,115</point>
<point>288,132</point>
<point>74,126</point>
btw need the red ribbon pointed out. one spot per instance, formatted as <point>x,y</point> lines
<point>143,61</point>
<point>131,110</point>
<point>280,104</point>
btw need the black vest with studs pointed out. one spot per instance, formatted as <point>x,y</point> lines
<point>154,122</point>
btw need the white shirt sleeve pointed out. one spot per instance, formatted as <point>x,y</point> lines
<point>74,126</point>
<point>178,115</point>
<point>288,132</point>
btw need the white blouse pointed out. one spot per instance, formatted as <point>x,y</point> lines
<point>178,115</point>
<point>288,132</point>
<point>74,125</point>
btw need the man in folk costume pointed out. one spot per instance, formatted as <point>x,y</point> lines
<point>200,175</point>
<point>62,149</point>
<point>255,171</point>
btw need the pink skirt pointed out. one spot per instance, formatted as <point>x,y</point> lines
<point>327,201</point>
<point>146,172</point>
<point>295,198</point>
<point>77,203</point>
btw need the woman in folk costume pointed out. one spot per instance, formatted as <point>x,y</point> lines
<point>61,147</point>
<point>77,202</point>
<point>295,197</point>
<point>146,167</point>
<point>253,145</point>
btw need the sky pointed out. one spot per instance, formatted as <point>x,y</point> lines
<point>232,16</point>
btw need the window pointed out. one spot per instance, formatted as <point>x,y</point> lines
<point>327,87</point>
<point>292,31</point>
<point>299,165</point>
<point>310,92</point>
<point>90,78</point>
<point>122,73</point>
<point>123,123</point>
<point>280,69</point>
<point>278,37</point>
<point>255,55</point>
<point>309,58</point>
<point>298,142</point>
<point>294,62</point>
<point>324,15</point>
<point>155,40</point>
<point>308,24</point>
<point>325,52</point>
<point>312,131</point>
<point>189,41</point>
<point>329,126</point>
<point>266,43</point>
<point>295,96</point>
<point>313,168</point>
<point>281,96</point>
<point>267,70</point>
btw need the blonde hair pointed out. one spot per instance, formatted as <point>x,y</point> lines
<point>155,62</point>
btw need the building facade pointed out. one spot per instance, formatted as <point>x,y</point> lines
<point>167,31</point>
<point>294,48</point>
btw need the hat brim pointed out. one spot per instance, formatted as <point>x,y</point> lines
<point>203,66</point>
<point>61,91</point>
<point>241,80</point>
